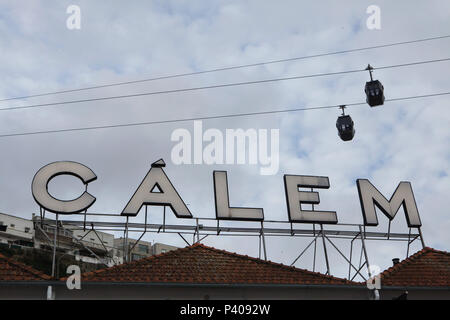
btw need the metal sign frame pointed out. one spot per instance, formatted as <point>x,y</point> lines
<point>204,228</point>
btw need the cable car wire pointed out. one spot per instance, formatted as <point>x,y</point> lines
<point>211,117</point>
<point>42,105</point>
<point>226,68</point>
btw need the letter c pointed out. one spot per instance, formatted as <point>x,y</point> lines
<point>42,178</point>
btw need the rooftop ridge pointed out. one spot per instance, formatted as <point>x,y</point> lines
<point>395,268</point>
<point>427,267</point>
<point>280,265</point>
<point>176,253</point>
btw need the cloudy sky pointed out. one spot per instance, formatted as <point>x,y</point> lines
<point>130,40</point>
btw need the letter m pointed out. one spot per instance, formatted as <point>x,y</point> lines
<point>370,197</point>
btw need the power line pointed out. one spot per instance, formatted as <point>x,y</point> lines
<point>211,117</point>
<point>42,105</point>
<point>227,68</point>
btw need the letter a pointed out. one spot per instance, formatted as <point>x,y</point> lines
<point>166,195</point>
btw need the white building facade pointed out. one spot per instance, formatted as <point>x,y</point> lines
<point>16,230</point>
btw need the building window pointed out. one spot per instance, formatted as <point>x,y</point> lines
<point>163,250</point>
<point>12,225</point>
<point>27,229</point>
<point>143,248</point>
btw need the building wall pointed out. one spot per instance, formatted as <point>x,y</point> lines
<point>159,248</point>
<point>44,238</point>
<point>141,250</point>
<point>167,292</point>
<point>90,239</point>
<point>23,292</point>
<point>205,293</point>
<point>416,294</point>
<point>16,228</point>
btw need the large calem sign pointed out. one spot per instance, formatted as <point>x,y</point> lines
<point>156,189</point>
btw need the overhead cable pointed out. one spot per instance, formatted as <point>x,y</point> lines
<point>234,84</point>
<point>234,115</point>
<point>226,68</point>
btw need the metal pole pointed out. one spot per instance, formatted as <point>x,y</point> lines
<point>55,231</point>
<point>365,251</point>
<point>101,241</point>
<point>84,221</point>
<point>143,233</point>
<point>325,249</point>
<point>42,216</point>
<point>164,219</point>
<point>263,240</point>
<point>350,263</point>
<point>259,247</point>
<point>126,241</point>
<point>304,250</point>
<point>409,242</point>
<point>85,212</point>
<point>315,249</point>
<point>360,256</point>
<point>183,238</point>
<point>351,257</point>
<point>197,230</point>
<point>421,238</point>
<point>337,249</point>
<point>359,269</point>
<point>389,229</point>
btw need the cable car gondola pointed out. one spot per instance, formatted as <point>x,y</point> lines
<point>345,126</point>
<point>374,90</point>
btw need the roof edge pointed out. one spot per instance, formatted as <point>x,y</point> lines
<point>389,271</point>
<point>222,285</point>
<point>318,274</point>
<point>26,268</point>
<point>233,254</point>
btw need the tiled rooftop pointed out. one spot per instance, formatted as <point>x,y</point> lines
<point>426,268</point>
<point>11,270</point>
<point>206,265</point>
<point>200,264</point>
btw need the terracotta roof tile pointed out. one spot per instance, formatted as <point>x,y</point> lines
<point>11,270</point>
<point>202,264</point>
<point>426,268</point>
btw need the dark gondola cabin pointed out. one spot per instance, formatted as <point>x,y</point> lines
<point>374,90</point>
<point>374,93</point>
<point>345,126</point>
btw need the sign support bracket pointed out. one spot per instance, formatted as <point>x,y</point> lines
<point>363,236</point>
<point>421,238</point>
<point>263,240</point>
<point>325,249</point>
<point>143,233</point>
